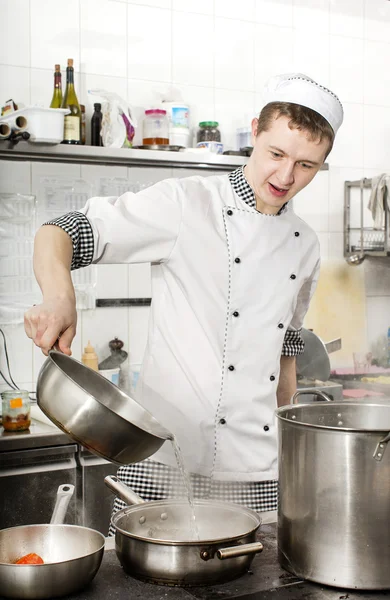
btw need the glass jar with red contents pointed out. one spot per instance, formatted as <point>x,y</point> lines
<point>16,410</point>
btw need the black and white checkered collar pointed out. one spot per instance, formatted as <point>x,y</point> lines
<point>244,191</point>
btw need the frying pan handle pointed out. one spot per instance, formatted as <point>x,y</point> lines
<point>64,494</point>
<point>243,550</point>
<point>123,491</point>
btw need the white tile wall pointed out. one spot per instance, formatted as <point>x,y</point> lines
<point>218,53</point>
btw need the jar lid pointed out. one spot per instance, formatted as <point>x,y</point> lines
<point>208,124</point>
<point>155,111</point>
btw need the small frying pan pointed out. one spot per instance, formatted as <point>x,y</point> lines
<point>72,556</point>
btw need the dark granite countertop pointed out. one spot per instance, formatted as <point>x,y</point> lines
<point>265,581</point>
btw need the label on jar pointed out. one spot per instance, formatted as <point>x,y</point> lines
<point>16,403</point>
<point>72,128</point>
<point>179,116</point>
<point>216,147</point>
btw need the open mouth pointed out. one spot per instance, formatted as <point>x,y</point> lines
<point>276,191</point>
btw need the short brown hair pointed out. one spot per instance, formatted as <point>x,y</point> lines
<point>301,117</point>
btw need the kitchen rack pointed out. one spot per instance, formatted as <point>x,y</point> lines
<point>361,237</point>
<point>124,157</point>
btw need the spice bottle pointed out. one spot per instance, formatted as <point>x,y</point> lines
<point>16,410</point>
<point>96,125</point>
<point>89,357</point>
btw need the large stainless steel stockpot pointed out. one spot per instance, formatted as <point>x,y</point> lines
<point>155,542</point>
<point>334,505</point>
<point>95,412</point>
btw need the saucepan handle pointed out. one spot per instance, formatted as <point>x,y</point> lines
<point>243,550</point>
<point>311,393</point>
<point>64,494</point>
<point>123,491</point>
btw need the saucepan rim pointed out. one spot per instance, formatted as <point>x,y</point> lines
<point>169,542</point>
<point>65,357</point>
<point>54,526</point>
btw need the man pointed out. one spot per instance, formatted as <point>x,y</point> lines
<point>233,271</point>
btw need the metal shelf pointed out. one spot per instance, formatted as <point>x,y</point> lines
<point>123,157</point>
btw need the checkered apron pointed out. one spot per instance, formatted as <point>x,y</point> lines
<point>154,481</point>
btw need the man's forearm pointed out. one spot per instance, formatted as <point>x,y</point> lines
<point>287,380</point>
<point>53,252</point>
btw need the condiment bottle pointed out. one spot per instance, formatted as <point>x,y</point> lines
<point>89,357</point>
<point>155,127</point>
<point>16,410</point>
<point>96,125</point>
<point>83,129</point>
<point>208,132</point>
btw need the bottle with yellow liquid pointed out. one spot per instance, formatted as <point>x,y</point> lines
<point>89,357</point>
<point>72,121</point>
<point>56,100</point>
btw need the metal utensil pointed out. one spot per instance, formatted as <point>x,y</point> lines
<point>154,540</point>
<point>72,556</point>
<point>314,363</point>
<point>334,502</point>
<point>95,412</point>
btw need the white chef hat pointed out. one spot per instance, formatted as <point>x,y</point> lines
<point>300,89</point>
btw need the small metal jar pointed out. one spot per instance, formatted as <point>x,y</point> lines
<point>16,410</point>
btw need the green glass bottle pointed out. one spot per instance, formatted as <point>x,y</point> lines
<point>72,121</point>
<point>56,101</point>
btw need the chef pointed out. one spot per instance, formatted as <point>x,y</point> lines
<point>233,270</point>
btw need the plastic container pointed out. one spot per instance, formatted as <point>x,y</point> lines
<point>15,410</point>
<point>208,132</point>
<point>178,115</point>
<point>215,147</point>
<point>111,374</point>
<point>179,137</point>
<point>244,138</point>
<point>45,125</point>
<point>155,127</point>
<point>134,371</point>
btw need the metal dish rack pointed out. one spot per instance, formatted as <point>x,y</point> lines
<point>361,237</point>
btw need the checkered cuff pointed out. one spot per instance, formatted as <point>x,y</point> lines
<point>293,344</point>
<point>78,227</point>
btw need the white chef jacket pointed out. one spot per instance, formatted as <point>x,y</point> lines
<point>227,282</point>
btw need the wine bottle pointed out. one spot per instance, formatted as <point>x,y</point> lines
<point>72,121</point>
<point>56,101</point>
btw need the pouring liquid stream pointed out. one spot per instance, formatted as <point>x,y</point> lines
<point>188,487</point>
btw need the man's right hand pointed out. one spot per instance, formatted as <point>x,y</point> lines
<point>52,323</point>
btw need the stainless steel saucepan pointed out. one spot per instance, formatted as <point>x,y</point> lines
<point>156,542</point>
<point>72,556</point>
<point>96,413</point>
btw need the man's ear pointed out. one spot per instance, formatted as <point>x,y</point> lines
<point>254,125</point>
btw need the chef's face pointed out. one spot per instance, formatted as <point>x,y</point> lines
<point>282,163</point>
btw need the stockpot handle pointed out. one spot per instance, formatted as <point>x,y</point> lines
<point>64,494</point>
<point>381,447</point>
<point>243,550</point>
<point>123,491</point>
<point>312,393</point>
